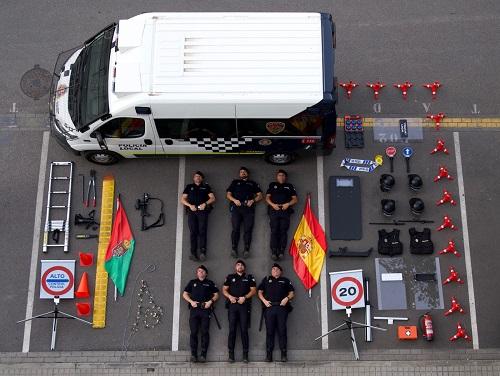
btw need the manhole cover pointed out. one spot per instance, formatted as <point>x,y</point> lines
<point>35,83</point>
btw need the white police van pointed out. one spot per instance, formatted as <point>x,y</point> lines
<point>162,84</point>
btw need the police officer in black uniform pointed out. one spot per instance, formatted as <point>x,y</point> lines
<point>238,289</point>
<point>276,292</point>
<point>280,197</point>
<point>200,293</point>
<point>197,198</point>
<point>243,194</point>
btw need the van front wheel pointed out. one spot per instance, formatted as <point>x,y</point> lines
<point>279,158</point>
<point>102,157</point>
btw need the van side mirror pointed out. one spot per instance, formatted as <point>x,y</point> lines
<point>100,140</point>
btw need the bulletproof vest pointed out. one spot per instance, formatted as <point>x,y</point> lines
<point>388,243</point>
<point>420,241</point>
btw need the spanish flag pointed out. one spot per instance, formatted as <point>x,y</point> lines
<point>308,247</point>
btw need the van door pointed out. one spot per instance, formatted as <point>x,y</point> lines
<point>198,136</point>
<point>130,136</point>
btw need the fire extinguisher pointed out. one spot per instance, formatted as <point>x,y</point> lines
<point>426,326</point>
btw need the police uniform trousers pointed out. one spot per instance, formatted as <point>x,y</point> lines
<point>199,320</point>
<point>238,317</point>
<point>276,317</point>
<point>198,223</point>
<point>280,222</point>
<point>242,215</point>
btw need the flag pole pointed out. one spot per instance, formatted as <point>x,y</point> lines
<point>116,293</point>
<point>310,292</point>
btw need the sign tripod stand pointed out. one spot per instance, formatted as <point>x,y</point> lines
<point>55,314</point>
<point>348,325</point>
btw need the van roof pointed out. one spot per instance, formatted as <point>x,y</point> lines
<point>220,58</point>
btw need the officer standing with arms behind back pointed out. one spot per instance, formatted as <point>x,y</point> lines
<point>197,198</point>
<point>200,293</point>
<point>276,292</point>
<point>280,197</point>
<point>242,194</point>
<point>238,289</point>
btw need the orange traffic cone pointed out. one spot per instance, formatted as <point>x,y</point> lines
<point>83,309</point>
<point>83,287</point>
<point>86,259</point>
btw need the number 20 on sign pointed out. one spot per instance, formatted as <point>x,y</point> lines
<point>347,289</point>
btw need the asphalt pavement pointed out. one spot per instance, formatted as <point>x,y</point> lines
<point>420,42</point>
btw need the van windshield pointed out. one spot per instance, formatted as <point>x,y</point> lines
<point>88,95</point>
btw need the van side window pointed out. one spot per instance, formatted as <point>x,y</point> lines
<point>123,128</point>
<point>196,128</point>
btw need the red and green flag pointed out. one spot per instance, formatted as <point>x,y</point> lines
<point>120,249</point>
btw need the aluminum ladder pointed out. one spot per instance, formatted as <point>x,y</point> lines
<point>57,217</point>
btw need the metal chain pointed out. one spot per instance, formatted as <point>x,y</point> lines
<point>151,316</point>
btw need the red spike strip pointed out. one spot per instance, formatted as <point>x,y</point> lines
<point>455,306</point>
<point>461,333</point>
<point>433,87</point>
<point>376,87</point>
<point>404,87</point>
<point>453,277</point>
<point>437,119</point>
<point>447,197</point>
<point>450,249</point>
<point>348,87</point>
<point>440,147</point>
<point>443,173</point>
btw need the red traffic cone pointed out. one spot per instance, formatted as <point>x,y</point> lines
<point>376,87</point>
<point>437,119</point>
<point>86,259</point>
<point>450,249</point>
<point>453,277</point>
<point>455,306</point>
<point>83,287</point>
<point>442,174</point>
<point>83,309</point>
<point>461,333</point>
<point>348,87</point>
<point>446,198</point>
<point>447,223</point>
<point>433,87</point>
<point>440,147</point>
<point>404,87</point>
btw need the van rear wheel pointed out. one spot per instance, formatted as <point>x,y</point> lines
<point>279,158</point>
<point>102,157</point>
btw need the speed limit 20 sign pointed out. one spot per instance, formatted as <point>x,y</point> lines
<point>347,289</point>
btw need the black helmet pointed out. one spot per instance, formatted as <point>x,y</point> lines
<point>416,205</point>
<point>415,182</point>
<point>387,182</point>
<point>388,207</point>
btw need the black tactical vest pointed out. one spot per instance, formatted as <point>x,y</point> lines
<point>388,243</point>
<point>420,242</point>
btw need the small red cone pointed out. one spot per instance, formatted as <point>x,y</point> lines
<point>453,277</point>
<point>455,306</point>
<point>83,287</point>
<point>450,249</point>
<point>446,198</point>
<point>86,259</point>
<point>461,333</point>
<point>440,147</point>
<point>83,309</point>
<point>437,119</point>
<point>447,223</point>
<point>442,174</point>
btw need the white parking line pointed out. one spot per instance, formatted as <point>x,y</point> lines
<point>468,262</point>
<point>323,281</point>
<point>178,256</point>
<point>35,249</point>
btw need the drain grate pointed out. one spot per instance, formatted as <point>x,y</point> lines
<point>35,83</point>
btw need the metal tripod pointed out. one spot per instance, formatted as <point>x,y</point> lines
<point>55,315</point>
<point>348,325</point>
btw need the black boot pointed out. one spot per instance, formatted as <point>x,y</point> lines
<point>269,356</point>
<point>245,356</point>
<point>274,254</point>
<point>193,256</point>
<point>284,358</point>
<point>246,252</point>
<point>203,254</point>
<point>194,358</point>
<point>203,357</point>
<point>234,253</point>
<point>281,254</point>
<point>231,357</point>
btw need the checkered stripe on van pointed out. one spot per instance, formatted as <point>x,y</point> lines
<point>220,145</point>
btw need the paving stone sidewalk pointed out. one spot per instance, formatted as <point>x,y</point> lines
<point>376,363</point>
